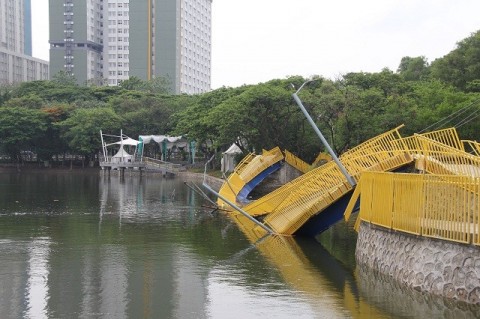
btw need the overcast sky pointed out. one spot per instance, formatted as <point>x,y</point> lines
<point>258,40</point>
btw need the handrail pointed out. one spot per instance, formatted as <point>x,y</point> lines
<point>297,162</point>
<point>244,162</point>
<point>473,145</point>
<point>290,206</point>
<point>259,163</point>
<point>162,164</point>
<point>440,206</point>
<point>249,168</point>
<point>439,158</point>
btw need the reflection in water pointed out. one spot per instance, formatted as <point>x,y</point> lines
<point>328,284</point>
<point>327,287</point>
<point>37,272</point>
<point>113,293</point>
<point>189,288</point>
<point>85,246</point>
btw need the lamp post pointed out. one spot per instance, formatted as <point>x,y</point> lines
<point>320,135</point>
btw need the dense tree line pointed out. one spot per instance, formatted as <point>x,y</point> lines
<point>56,117</point>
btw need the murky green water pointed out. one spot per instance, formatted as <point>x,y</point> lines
<point>79,245</point>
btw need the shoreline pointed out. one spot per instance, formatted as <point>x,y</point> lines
<point>213,181</point>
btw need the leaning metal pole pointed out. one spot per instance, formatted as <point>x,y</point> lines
<point>238,209</point>
<point>320,135</point>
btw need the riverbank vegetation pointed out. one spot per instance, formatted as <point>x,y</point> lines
<point>57,118</point>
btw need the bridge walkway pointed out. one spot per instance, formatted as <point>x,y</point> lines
<point>159,165</point>
<point>249,173</point>
<point>291,206</point>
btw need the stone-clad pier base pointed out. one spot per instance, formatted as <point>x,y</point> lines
<point>439,267</point>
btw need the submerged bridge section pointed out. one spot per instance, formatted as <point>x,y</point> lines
<point>324,192</point>
<point>291,206</point>
<point>253,169</point>
<point>250,172</point>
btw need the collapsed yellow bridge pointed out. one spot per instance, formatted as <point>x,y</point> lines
<point>305,198</point>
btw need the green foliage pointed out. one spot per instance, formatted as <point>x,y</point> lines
<point>133,83</point>
<point>5,92</point>
<point>259,116</point>
<point>53,117</point>
<point>461,67</point>
<point>413,69</point>
<point>81,130</point>
<point>19,128</point>
<point>195,119</point>
<point>157,85</point>
<point>51,143</point>
<point>28,101</point>
<point>65,79</point>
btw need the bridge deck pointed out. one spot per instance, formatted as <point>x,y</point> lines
<point>288,208</point>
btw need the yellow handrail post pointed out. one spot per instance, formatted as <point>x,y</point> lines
<point>353,201</point>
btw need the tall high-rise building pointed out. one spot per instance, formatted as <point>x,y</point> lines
<point>16,62</point>
<point>147,39</point>
<point>76,39</point>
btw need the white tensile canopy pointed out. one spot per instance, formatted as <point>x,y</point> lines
<point>121,156</point>
<point>228,158</point>
<point>165,142</point>
<point>179,141</point>
<point>127,141</point>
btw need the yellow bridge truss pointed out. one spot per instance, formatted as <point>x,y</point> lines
<point>289,207</point>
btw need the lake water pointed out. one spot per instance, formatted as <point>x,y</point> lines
<point>82,245</point>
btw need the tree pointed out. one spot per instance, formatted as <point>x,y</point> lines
<point>65,79</point>
<point>19,129</point>
<point>261,115</point>
<point>81,131</point>
<point>5,92</point>
<point>159,85</point>
<point>461,66</point>
<point>51,143</point>
<point>413,69</point>
<point>195,119</point>
<point>27,101</point>
<point>133,83</point>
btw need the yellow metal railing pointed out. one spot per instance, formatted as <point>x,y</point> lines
<point>248,168</point>
<point>445,207</point>
<point>243,163</point>
<point>297,162</point>
<point>290,206</point>
<point>447,137</point>
<point>259,163</point>
<point>474,147</point>
<point>437,158</point>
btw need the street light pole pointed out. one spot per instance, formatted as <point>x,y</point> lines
<point>320,135</point>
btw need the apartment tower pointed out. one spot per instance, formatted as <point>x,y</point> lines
<point>146,39</point>
<point>16,61</point>
<point>76,39</point>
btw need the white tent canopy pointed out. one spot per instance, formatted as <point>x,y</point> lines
<point>122,140</point>
<point>228,158</point>
<point>121,156</point>
<point>127,141</point>
<point>160,138</point>
<point>233,149</point>
<point>178,141</point>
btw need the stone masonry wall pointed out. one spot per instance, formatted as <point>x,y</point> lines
<point>425,264</point>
